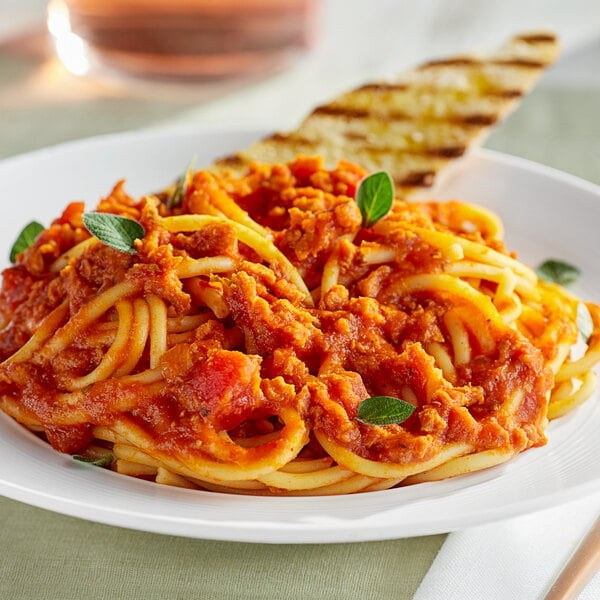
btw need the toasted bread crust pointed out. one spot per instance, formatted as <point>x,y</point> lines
<point>420,123</point>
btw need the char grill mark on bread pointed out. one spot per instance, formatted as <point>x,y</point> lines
<point>418,125</point>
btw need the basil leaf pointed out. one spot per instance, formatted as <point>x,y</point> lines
<point>375,196</point>
<point>558,271</point>
<point>181,186</point>
<point>384,410</point>
<point>25,239</point>
<point>585,324</point>
<point>114,230</point>
<point>103,461</point>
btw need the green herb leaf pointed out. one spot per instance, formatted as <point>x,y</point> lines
<point>181,187</point>
<point>384,410</point>
<point>103,461</point>
<point>114,230</point>
<point>584,322</point>
<point>375,196</point>
<point>558,271</point>
<point>25,239</point>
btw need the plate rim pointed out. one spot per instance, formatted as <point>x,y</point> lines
<point>180,131</point>
<point>316,533</point>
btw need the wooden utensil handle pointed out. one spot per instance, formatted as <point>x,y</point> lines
<point>582,566</point>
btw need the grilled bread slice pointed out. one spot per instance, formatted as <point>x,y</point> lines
<point>418,124</point>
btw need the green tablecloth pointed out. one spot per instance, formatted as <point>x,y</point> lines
<point>49,556</point>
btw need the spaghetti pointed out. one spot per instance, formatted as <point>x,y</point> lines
<point>232,350</point>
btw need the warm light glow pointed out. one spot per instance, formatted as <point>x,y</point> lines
<point>70,48</point>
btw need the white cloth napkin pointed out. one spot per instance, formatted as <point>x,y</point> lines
<point>516,559</point>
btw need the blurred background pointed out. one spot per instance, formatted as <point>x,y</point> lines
<point>332,45</point>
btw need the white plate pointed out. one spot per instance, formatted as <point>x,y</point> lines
<point>546,213</point>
